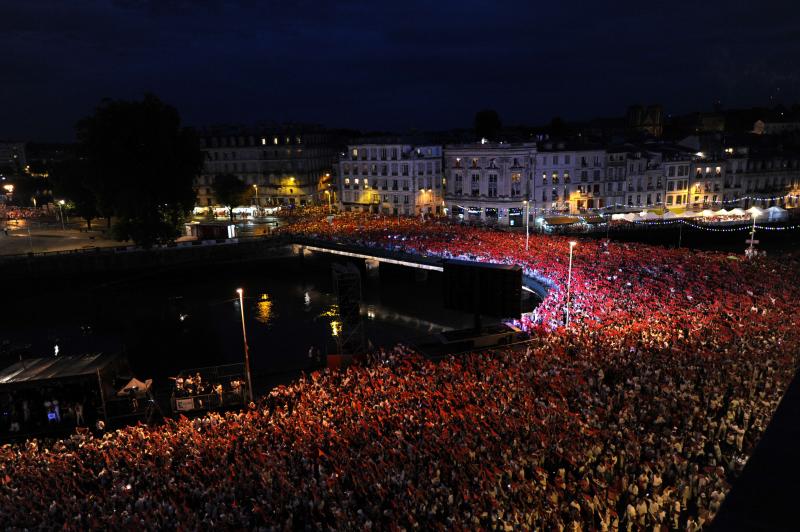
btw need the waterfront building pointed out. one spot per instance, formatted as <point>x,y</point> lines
<point>489,182</point>
<point>286,164</point>
<point>392,178</point>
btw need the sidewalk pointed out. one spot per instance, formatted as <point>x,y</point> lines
<point>49,239</point>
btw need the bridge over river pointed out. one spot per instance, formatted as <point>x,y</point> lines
<point>184,254</point>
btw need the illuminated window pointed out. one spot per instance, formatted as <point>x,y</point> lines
<point>263,141</point>
<point>275,140</point>
<point>516,184</point>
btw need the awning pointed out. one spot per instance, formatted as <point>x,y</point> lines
<point>37,370</point>
<point>561,220</point>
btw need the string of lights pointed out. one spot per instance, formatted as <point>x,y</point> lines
<point>720,229</point>
<point>661,203</point>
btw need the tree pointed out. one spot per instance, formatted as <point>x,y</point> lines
<point>141,164</point>
<point>229,191</point>
<point>70,180</point>
<point>487,124</point>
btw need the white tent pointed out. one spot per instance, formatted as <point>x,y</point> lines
<point>135,387</point>
<point>707,212</point>
<point>690,214</point>
<point>618,216</point>
<point>630,217</point>
<point>649,216</point>
<point>722,212</point>
<point>669,215</point>
<point>777,214</point>
<point>738,211</point>
<point>757,213</point>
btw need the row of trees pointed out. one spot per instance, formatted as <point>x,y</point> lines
<point>135,164</point>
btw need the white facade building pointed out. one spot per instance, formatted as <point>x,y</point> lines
<point>393,178</point>
<point>569,179</point>
<point>284,165</point>
<point>488,182</point>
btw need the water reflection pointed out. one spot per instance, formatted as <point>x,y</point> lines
<point>264,309</point>
<point>382,314</point>
<point>332,312</point>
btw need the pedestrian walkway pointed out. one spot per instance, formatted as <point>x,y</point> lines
<point>17,240</point>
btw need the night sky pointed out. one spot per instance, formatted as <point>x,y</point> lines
<point>389,65</point>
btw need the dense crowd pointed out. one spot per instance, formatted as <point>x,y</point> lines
<point>12,212</point>
<point>639,415</point>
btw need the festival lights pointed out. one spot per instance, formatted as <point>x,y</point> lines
<point>720,229</point>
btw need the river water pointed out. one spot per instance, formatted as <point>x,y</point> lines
<point>191,318</point>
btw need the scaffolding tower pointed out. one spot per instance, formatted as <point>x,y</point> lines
<point>350,339</point>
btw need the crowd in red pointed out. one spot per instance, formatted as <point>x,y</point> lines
<point>11,212</point>
<point>640,415</point>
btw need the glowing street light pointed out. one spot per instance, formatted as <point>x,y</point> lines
<point>569,276</point>
<point>527,218</point>
<point>330,207</point>
<point>258,204</point>
<point>61,212</point>
<point>246,349</point>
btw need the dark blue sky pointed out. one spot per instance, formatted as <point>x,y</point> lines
<point>389,65</point>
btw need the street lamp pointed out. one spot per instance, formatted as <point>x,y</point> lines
<point>61,212</point>
<point>569,276</point>
<point>527,218</point>
<point>246,349</point>
<point>330,207</point>
<point>258,205</point>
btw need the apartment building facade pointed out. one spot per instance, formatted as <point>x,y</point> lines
<point>284,164</point>
<point>570,178</point>
<point>489,182</point>
<point>392,178</point>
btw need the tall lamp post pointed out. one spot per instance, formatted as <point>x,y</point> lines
<point>752,237</point>
<point>569,277</point>
<point>330,207</point>
<point>61,212</point>
<point>527,218</point>
<point>258,205</point>
<point>246,349</point>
